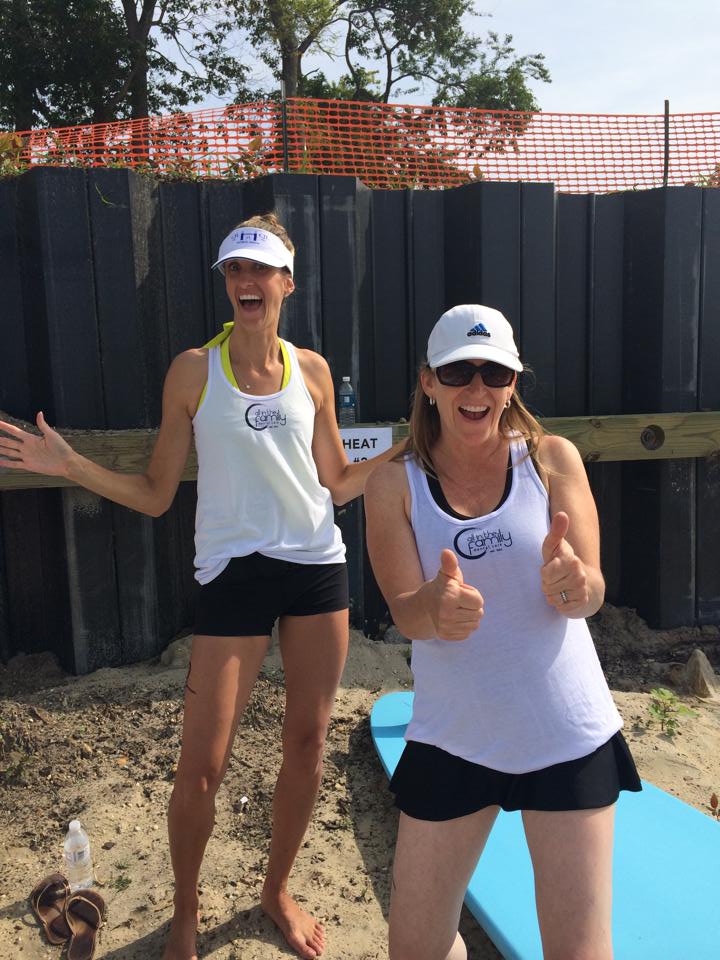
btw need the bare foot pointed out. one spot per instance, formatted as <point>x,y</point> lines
<point>181,943</point>
<point>304,934</point>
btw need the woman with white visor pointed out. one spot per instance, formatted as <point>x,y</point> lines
<point>270,466</point>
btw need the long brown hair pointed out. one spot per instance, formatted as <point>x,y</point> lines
<point>424,426</point>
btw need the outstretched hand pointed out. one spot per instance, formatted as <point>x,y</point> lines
<point>456,608</point>
<point>20,450</point>
<point>564,580</point>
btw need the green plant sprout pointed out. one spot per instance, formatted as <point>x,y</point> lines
<point>665,707</point>
<point>121,882</point>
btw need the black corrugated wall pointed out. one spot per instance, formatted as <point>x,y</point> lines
<point>104,278</point>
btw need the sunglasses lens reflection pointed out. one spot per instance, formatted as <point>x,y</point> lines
<point>460,373</point>
<point>456,374</point>
<point>496,375</point>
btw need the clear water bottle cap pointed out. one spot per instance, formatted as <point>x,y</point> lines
<point>346,379</point>
<point>74,826</point>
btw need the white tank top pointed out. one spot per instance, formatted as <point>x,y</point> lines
<point>526,689</point>
<point>258,486</point>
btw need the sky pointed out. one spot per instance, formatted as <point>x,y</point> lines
<point>610,56</point>
<point>616,56</point>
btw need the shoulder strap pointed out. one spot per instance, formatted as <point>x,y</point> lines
<point>223,335</point>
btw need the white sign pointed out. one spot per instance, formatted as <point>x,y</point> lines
<point>364,443</point>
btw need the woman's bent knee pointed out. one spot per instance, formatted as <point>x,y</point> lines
<point>305,752</point>
<point>190,787</point>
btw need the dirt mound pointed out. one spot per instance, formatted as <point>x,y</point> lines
<point>104,748</point>
<point>627,646</point>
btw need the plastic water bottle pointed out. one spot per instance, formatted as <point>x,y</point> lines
<point>347,413</point>
<point>78,861</point>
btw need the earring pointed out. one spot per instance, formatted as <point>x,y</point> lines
<point>432,401</point>
<point>507,404</point>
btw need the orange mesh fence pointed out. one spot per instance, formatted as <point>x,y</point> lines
<point>236,140</point>
<point>396,146</point>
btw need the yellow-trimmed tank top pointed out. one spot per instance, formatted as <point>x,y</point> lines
<point>222,340</point>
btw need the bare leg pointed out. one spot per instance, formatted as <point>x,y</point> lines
<point>572,858</point>
<point>224,670</point>
<point>313,649</point>
<point>434,861</point>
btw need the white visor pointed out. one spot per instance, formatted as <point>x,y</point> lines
<point>251,243</point>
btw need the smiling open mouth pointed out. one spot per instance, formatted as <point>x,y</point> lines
<point>474,413</point>
<point>250,301</point>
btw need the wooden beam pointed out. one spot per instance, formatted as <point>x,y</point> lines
<point>127,451</point>
<point>639,436</point>
<point>659,436</point>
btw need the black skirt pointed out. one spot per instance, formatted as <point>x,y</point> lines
<point>431,784</point>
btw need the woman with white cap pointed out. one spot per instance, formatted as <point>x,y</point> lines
<point>270,465</point>
<point>483,536</point>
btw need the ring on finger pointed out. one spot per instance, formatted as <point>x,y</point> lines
<point>563,596</point>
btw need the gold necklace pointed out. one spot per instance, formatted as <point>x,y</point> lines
<point>247,385</point>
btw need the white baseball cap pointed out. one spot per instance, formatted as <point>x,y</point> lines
<point>253,243</point>
<point>472,332</point>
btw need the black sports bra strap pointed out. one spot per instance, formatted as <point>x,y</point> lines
<point>441,500</point>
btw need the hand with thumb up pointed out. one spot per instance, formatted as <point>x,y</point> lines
<point>563,574</point>
<point>454,607</point>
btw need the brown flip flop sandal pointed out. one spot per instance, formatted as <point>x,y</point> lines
<point>85,911</point>
<point>48,900</point>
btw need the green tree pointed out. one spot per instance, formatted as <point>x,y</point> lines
<point>281,32</point>
<point>389,48</point>
<point>410,42</point>
<point>53,72</point>
<point>76,61</point>
<point>499,81</point>
<point>179,54</point>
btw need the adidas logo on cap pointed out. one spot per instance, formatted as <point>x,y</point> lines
<point>479,330</point>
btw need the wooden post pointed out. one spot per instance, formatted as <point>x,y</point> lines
<point>537,334</point>
<point>662,260</point>
<point>707,518</point>
<point>425,271</point>
<point>14,380</point>
<point>126,388</point>
<point>343,222</point>
<point>605,367</point>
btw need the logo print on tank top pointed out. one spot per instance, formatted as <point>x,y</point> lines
<point>472,544</point>
<point>259,416</point>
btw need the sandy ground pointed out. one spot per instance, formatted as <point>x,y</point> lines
<point>103,747</point>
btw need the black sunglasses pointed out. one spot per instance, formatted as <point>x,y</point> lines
<point>460,374</point>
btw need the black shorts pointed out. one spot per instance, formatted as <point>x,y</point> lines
<point>431,784</point>
<point>250,594</point>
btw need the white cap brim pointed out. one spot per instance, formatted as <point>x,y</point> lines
<point>477,352</point>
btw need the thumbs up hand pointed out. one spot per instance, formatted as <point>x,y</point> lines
<point>450,567</point>
<point>455,608</point>
<point>564,580</point>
